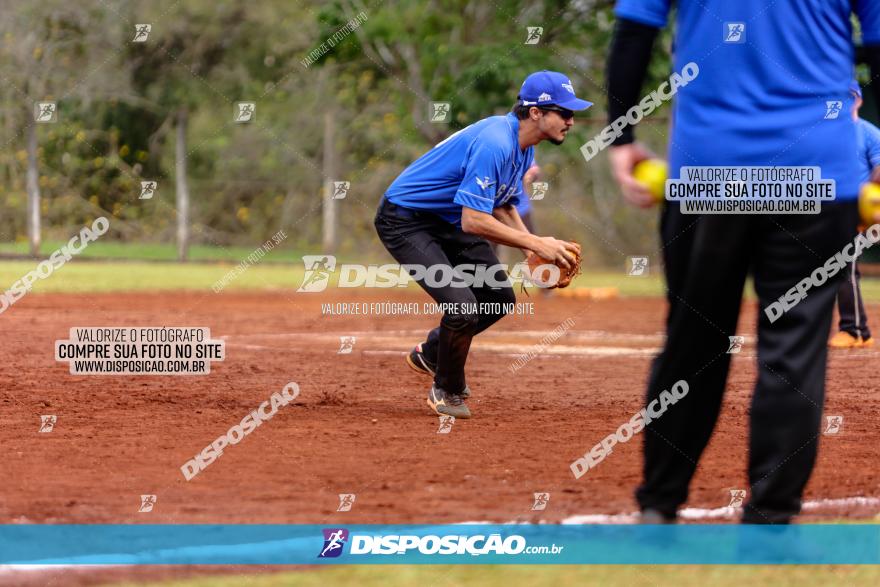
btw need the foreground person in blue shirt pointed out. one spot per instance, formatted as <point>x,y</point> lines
<point>441,210</point>
<point>772,90</point>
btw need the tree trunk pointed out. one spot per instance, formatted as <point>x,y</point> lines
<point>11,169</point>
<point>33,191</point>
<point>329,172</point>
<point>182,186</point>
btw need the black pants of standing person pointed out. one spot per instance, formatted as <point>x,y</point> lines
<point>707,259</point>
<point>423,238</point>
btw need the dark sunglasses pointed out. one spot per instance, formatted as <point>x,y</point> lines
<point>562,112</point>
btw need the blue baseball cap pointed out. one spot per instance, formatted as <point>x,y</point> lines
<point>550,88</point>
<point>855,88</point>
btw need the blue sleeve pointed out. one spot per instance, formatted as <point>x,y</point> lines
<point>653,13</point>
<point>485,161</point>
<point>872,144</point>
<point>868,12</point>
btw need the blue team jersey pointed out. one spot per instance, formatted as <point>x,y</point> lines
<point>772,92</point>
<point>868,137</point>
<point>480,167</point>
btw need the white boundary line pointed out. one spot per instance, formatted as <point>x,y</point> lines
<point>485,343</point>
<point>700,514</point>
<point>579,334</point>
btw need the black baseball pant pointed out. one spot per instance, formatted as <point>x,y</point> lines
<point>416,237</point>
<point>853,318</point>
<point>707,259</point>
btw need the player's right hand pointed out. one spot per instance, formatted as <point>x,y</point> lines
<point>623,159</point>
<point>560,252</point>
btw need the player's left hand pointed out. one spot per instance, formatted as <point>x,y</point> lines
<point>623,159</point>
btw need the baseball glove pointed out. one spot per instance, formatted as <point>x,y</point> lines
<point>545,278</point>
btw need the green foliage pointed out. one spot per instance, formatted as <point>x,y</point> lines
<point>118,100</point>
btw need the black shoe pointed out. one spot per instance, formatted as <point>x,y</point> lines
<point>419,363</point>
<point>448,404</point>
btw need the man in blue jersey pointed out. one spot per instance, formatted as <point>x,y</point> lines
<point>853,325</point>
<point>772,78</point>
<point>441,210</point>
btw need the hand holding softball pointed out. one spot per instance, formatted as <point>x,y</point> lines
<point>624,159</point>
<point>652,174</point>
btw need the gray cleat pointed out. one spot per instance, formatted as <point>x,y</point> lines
<point>448,404</point>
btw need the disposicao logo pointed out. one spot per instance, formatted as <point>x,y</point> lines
<point>334,540</point>
<point>402,544</point>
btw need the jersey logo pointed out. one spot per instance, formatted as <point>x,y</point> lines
<point>484,183</point>
<point>832,109</point>
<point>735,32</point>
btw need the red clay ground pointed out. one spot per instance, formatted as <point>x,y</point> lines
<point>360,424</point>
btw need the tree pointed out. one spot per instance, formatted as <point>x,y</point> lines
<point>47,48</point>
<point>173,71</point>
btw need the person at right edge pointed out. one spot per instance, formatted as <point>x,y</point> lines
<point>760,99</point>
<point>853,325</point>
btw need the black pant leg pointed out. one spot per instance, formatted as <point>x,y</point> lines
<point>847,304</point>
<point>861,316</point>
<point>470,249</point>
<point>789,395</point>
<point>496,289</point>
<point>853,318</point>
<point>706,261</point>
<point>419,239</point>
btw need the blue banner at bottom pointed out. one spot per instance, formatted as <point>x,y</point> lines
<point>171,544</point>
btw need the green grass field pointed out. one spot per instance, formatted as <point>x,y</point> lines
<point>550,576</point>
<point>112,266</point>
<point>83,276</point>
<point>153,251</point>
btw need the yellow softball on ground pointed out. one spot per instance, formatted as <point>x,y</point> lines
<point>653,173</point>
<point>869,202</point>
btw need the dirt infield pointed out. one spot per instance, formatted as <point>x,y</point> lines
<point>360,424</point>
